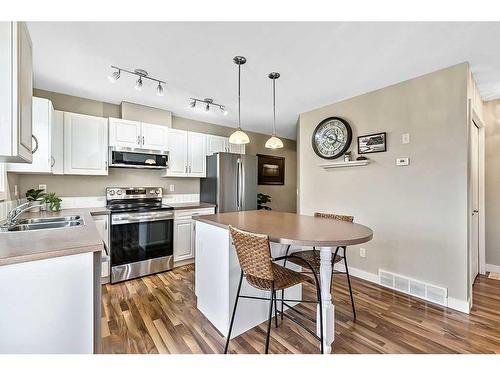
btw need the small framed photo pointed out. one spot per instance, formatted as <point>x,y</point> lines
<point>271,170</point>
<point>368,144</point>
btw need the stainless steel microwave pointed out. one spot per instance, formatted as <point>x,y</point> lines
<point>125,157</point>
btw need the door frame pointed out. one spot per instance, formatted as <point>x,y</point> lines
<point>474,119</point>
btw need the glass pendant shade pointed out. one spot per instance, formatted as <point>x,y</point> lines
<point>239,137</point>
<point>274,142</point>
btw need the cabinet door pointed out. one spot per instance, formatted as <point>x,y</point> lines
<point>57,143</point>
<point>216,144</point>
<point>183,240</point>
<point>124,133</point>
<point>102,224</point>
<point>154,137</point>
<point>25,89</point>
<point>236,149</point>
<point>85,144</point>
<point>196,155</point>
<point>42,112</point>
<point>177,156</point>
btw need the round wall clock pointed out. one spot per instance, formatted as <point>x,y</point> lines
<point>331,138</point>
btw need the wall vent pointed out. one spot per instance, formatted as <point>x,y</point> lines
<point>413,287</point>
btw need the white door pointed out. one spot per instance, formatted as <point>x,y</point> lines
<point>177,157</point>
<point>216,144</point>
<point>474,252</point>
<point>42,112</point>
<point>236,149</point>
<point>124,133</point>
<point>85,144</point>
<point>196,155</point>
<point>154,137</point>
<point>183,239</point>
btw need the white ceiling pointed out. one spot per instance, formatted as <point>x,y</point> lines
<point>320,63</point>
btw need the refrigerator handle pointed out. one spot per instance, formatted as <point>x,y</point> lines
<point>242,185</point>
<point>238,186</point>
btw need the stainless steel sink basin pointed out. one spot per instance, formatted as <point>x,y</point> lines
<point>46,225</point>
<point>41,220</point>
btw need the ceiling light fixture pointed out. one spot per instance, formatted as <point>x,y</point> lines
<point>239,137</point>
<point>274,142</point>
<point>142,74</point>
<point>208,103</point>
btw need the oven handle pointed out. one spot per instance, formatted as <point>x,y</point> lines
<point>141,219</point>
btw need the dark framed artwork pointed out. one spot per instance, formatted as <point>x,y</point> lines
<point>270,170</point>
<point>371,143</point>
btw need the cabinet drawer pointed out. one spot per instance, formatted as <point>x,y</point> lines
<point>188,214</point>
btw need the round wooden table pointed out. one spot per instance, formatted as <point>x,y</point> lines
<point>301,230</point>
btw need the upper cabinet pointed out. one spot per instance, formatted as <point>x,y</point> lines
<point>16,90</point>
<point>217,143</point>
<point>187,151</point>
<point>85,144</point>
<point>42,113</point>
<point>134,134</point>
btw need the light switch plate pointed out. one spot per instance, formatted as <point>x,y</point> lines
<point>362,252</point>
<point>402,162</point>
<point>405,138</point>
<point>172,188</point>
<point>43,187</point>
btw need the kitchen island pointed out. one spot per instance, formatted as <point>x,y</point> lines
<point>217,269</point>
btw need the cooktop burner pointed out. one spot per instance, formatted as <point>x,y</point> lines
<point>135,199</point>
<point>136,207</point>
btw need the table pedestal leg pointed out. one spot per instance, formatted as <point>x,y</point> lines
<point>326,300</point>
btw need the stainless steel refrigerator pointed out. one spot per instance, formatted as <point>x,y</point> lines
<point>231,182</point>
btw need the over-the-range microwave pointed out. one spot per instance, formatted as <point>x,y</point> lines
<point>125,157</point>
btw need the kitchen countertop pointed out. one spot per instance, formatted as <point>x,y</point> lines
<point>293,229</point>
<point>190,205</point>
<point>20,247</point>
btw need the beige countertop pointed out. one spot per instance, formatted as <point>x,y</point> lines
<point>190,205</point>
<point>19,247</point>
<point>293,229</point>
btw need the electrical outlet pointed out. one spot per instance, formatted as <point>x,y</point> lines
<point>43,187</point>
<point>172,188</point>
<point>16,191</point>
<point>405,138</point>
<point>402,162</point>
<point>362,252</point>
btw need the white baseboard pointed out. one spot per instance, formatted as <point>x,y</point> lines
<point>492,268</point>
<point>459,305</point>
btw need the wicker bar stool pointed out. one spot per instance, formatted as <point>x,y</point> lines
<point>258,267</point>
<point>312,257</point>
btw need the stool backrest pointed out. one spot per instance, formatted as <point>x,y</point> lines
<point>334,216</point>
<point>254,253</point>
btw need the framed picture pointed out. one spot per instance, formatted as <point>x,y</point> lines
<point>270,170</point>
<point>368,144</point>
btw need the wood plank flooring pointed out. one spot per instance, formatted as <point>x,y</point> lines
<point>157,314</point>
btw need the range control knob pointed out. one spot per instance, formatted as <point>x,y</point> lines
<point>119,192</point>
<point>111,192</point>
<point>157,191</point>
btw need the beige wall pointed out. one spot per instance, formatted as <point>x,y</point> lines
<point>284,197</point>
<point>492,183</point>
<point>418,213</point>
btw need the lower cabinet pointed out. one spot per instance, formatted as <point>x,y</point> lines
<point>184,232</point>
<point>102,224</point>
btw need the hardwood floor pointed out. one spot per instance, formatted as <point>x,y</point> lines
<point>157,314</point>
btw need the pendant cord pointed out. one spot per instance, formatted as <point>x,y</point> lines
<point>274,106</point>
<point>239,96</point>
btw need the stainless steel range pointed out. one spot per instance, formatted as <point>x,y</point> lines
<point>141,232</point>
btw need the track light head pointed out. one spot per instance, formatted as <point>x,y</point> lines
<point>159,89</point>
<point>114,76</point>
<point>192,104</point>
<point>207,107</point>
<point>223,110</point>
<point>138,84</point>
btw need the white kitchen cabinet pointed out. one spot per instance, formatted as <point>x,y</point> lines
<point>124,133</point>
<point>16,91</point>
<point>3,182</point>
<point>134,134</point>
<point>85,144</point>
<point>197,165</point>
<point>102,224</point>
<point>184,232</point>
<point>216,143</point>
<point>42,114</point>
<point>57,142</point>
<point>236,149</point>
<point>187,152</point>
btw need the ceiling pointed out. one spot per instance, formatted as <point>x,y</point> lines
<point>320,63</point>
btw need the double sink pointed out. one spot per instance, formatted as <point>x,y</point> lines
<point>46,223</point>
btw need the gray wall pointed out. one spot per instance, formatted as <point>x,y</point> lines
<point>492,183</point>
<point>418,213</point>
<point>283,197</point>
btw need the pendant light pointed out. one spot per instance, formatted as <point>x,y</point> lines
<point>274,142</point>
<point>239,137</point>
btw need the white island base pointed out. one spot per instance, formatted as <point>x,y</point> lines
<point>217,273</point>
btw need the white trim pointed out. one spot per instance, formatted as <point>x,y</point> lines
<point>459,305</point>
<point>492,268</point>
<point>3,182</point>
<point>343,164</point>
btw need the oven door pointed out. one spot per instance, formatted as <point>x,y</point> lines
<point>141,244</point>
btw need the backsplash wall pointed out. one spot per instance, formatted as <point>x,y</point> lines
<point>283,197</point>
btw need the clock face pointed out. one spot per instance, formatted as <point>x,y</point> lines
<point>331,138</point>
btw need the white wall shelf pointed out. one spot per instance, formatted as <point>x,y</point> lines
<point>343,164</point>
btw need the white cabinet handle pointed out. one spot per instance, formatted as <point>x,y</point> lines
<point>52,161</point>
<point>189,169</point>
<point>143,140</point>
<point>36,144</point>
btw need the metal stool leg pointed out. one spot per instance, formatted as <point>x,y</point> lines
<point>349,283</point>
<point>283,290</point>
<point>270,318</point>
<point>234,312</point>
<point>275,310</point>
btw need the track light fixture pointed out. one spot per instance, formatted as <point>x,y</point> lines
<point>142,74</point>
<point>208,103</point>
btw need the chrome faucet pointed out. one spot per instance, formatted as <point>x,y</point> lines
<point>16,212</point>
